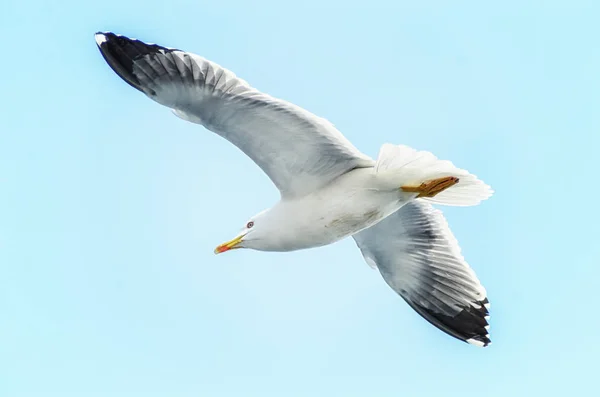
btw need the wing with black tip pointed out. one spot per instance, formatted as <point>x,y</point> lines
<point>418,256</point>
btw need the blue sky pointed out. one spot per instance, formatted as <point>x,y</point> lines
<point>110,206</point>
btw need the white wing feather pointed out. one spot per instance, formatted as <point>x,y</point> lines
<point>299,151</point>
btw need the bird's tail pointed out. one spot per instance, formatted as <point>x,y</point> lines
<point>431,179</point>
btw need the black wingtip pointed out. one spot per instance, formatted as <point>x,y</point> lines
<point>480,334</point>
<point>102,38</point>
<point>121,53</point>
<point>470,325</point>
<point>112,48</point>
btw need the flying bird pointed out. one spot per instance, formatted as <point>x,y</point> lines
<point>329,189</point>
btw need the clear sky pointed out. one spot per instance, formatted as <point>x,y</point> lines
<point>110,207</point>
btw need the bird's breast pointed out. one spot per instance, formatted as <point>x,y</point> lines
<point>331,220</point>
<point>338,211</point>
<point>348,223</point>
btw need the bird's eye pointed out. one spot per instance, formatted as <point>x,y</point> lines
<point>250,224</point>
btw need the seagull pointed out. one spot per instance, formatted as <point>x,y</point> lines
<point>329,189</point>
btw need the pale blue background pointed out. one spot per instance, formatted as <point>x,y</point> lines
<point>110,206</point>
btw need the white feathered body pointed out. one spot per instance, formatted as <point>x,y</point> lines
<point>353,202</point>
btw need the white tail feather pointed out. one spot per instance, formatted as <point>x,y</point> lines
<point>399,165</point>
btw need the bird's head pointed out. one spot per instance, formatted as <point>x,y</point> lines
<point>252,233</point>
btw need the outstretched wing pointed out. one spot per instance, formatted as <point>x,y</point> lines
<point>418,257</point>
<point>299,151</point>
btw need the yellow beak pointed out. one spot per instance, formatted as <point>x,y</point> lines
<point>229,245</point>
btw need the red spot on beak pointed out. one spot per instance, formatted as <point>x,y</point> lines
<point>221,248</point>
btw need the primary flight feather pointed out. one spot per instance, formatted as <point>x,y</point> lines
<point>329,189</point>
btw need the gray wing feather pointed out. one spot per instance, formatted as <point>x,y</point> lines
<point>299,151</point>
<point>419,258</point>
